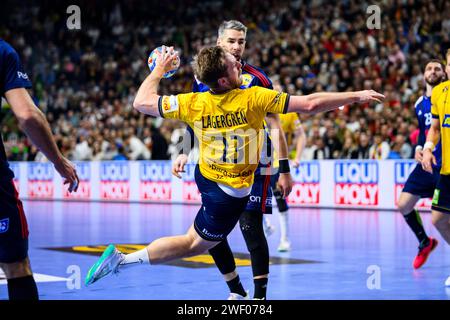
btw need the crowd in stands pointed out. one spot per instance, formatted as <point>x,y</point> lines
<point>85,80</point>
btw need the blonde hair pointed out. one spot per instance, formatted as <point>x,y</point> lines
<point>209,66</point>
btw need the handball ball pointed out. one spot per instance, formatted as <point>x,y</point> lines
<point>152,62</point>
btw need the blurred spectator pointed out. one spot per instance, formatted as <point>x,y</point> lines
<point>380,149</point>
<point>363,150</point>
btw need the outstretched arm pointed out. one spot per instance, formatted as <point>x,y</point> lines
<point>327,101</point>
<point>146,100</point>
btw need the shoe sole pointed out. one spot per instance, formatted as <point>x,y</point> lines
<point>435,243</point>
<point>94,270</point>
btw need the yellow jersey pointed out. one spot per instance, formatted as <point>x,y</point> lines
<point>440,109</point>
<point>229,128</point>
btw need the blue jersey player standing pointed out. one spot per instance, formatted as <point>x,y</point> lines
<point>13,224</point>
<point>421,184</point>
<point>231,36</point>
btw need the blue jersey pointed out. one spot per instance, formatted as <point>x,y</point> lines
<point>251,76</point>
<point>12,76</point>
<point>423,113</point>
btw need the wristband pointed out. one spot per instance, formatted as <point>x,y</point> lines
<point>419,148</point>
<point>428,145</point>
<point>284,166</point>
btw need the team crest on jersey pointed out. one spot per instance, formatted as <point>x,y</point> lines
<point>446,122</point>
<point>246,80</point>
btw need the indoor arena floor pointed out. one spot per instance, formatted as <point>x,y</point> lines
<point>336,254</point>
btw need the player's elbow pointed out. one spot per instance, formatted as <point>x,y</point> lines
<point>303,104</point>
<point>138,104</point>
<point>147,106</point>
<point>27,116</point>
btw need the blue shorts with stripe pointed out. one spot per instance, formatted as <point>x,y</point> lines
<point>261,194</point>
<point>422,183</point>
<point>441,198</point>
<point>13,225</point>
<point>219,212</point>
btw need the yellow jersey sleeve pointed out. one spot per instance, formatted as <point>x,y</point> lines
<point>434,99</point>
<point>177,106</point>
<point>436,96</point>
<point>270,100</point>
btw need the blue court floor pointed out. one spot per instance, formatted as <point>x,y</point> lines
<point>337,254</point>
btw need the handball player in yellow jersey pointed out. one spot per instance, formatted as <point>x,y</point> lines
<point>224,175</point>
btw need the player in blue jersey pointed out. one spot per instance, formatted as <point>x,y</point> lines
<point>421,184</point>
<point>232,37</point>
<point>13,224</point>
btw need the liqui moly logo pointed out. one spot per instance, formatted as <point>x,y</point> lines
<point>85,184</point>
<point>115,180</point>
<point>306,189</point>
<point>40,180</point>
<point>155,180</point>
<point>356,183</point>
<point>190,190</point>
<point>402,171</point>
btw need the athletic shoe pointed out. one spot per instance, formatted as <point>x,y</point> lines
<point>424,252</point>
<point>236,296</point>
<point>108,262</point>
<point>284,246</point>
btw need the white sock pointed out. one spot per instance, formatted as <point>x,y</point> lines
<point>284,225</point>
<point>137,257</point>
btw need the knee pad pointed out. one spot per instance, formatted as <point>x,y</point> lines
<point>252,229</point>
<point>253,232</point>
<point>281,202</point>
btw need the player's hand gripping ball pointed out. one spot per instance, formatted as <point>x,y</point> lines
<point>152,62</point>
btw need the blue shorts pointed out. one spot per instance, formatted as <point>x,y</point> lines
<point>219,212</point>
<point>13,225</point>
<point>422,183</point>
<point>441,199</point>
<point>261,195</point>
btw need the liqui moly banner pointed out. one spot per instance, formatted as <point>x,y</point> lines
<point>402,170</point>
<point>155,181</point>
<point>356,183</point>
<point>190,192</point>
<point>114,180</point>
<point>325,184</point>
<point>306,189</point>
<point>40,180</point>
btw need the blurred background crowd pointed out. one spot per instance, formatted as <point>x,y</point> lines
<point>85,80</point>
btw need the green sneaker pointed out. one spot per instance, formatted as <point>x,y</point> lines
<point>108,262</point>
